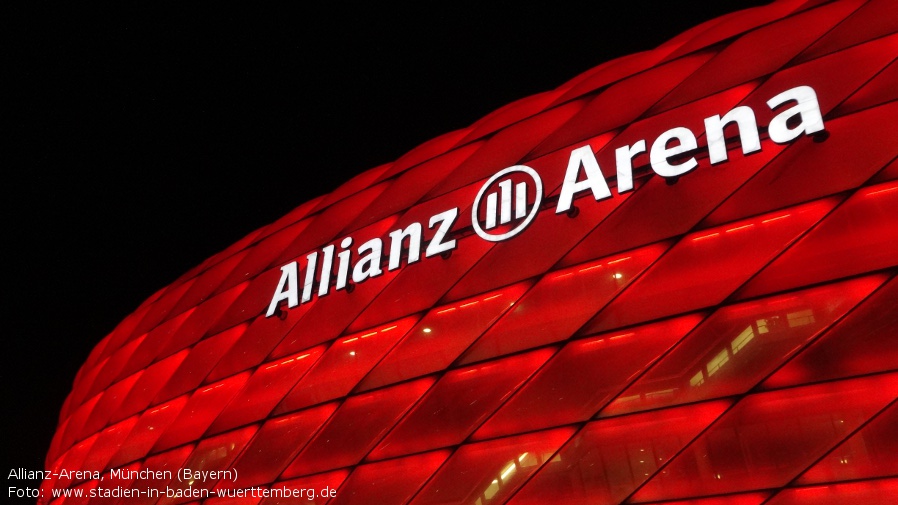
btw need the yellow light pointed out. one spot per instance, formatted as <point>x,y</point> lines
<point>507,471</point>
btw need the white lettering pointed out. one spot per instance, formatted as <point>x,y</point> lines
<point>286,290</point>
<point>311,263</point>
<point>343,263</point>
<point>368,264</point>
<point>594,181</point>
<point>324,282</point>
<point>511,200</point>
<point>661,153</point>
<point>807,109</point>
<point>745,121</point>
<point>413,232</point>
<point>624,158</point>
<point>446,220</point>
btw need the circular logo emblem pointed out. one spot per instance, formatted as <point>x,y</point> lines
<point>507,203</point>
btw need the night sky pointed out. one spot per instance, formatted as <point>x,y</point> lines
<point>143,140</point>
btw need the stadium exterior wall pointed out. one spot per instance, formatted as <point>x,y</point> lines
<point>671,279</point>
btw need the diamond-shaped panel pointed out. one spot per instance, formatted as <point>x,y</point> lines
<point>708,318</point>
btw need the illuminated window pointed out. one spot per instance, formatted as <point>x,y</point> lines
<point>507,472</point>
<point>697,380</point>
<point>800,318</point>
<point>743,338</point>
<point>717,362</point>
<point>491,490</point>
<point>523,461</point>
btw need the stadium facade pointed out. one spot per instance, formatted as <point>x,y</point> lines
<point>669,280</point>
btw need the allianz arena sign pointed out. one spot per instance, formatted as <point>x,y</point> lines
<point>656,285</point>
<point>511,199</point>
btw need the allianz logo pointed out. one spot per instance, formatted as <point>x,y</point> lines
<point>511,199</point>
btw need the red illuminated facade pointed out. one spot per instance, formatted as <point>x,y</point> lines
<point>724,335</point>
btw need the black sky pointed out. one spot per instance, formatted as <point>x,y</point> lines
<point>146,139</point>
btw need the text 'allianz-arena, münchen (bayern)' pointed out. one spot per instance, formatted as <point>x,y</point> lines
<point>669,280</point>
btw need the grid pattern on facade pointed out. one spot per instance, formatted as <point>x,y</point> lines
<point>727,336</point>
